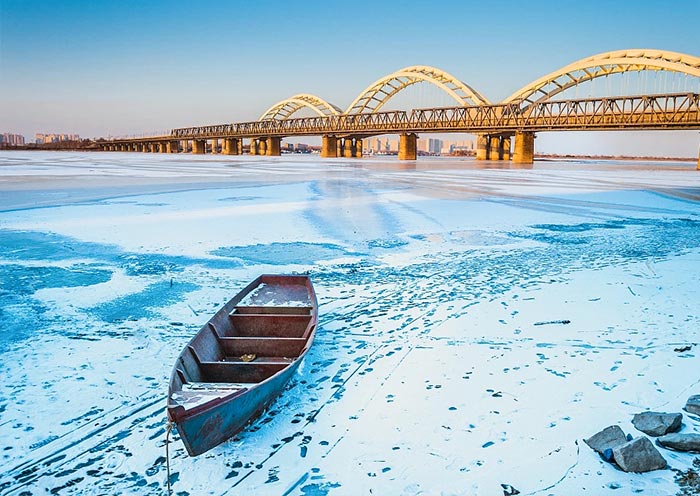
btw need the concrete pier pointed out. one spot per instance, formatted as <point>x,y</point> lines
<point>494,145</point>
<point>329,146</point>
<point>232,146</point>
<point>482,146</point>
<point>358,148</point>
<point>504,148</point>
<point>524,152</point>
<point>214,146</point>
<point>172,147</point>
<point>198,147</point>
<point>408,146</point>
<point>348,151</point>
<point>273,146</point>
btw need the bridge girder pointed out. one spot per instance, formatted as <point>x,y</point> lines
<point>603,64</point>
<point>285,108</point>
<point>382,90</point>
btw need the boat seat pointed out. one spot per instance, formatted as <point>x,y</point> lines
<point>262,346</point>
<point>259,360</point>
<point>240,371</point>
<point>274,310</point>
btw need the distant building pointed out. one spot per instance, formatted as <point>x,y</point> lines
<point>11,139</point>
<point>424,146</point>
<point>434,146</point>
<point>42,138</point>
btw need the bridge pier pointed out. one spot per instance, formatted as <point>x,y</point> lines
<point>172,147</point>
<point>358,147</point>
<point>504,148</point>
<point>408,146</point>
<point>524,152</point>
<point>329,146</point>
<point>273,146</point>
<point>198,147</point>
<point>214,146</point>
<point>348,151</point>
<point>162,147</point>
<point>231,146</point>
<point>494,144</point>
<point>253,146</point>
<point>482,146</point>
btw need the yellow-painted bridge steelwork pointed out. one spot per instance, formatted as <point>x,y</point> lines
<point>285,108</point>
<point>533,108</point>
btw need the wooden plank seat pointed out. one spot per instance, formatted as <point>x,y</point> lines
<point>279,310</point>
<point>234,369</point>
<point>262,346</point>
<point>266,325</point>
<point>240,371</point>
<point>258,360</point>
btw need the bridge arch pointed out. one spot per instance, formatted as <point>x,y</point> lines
<point>382,90</point>
<point>600,65</point>
<point>282,110</point>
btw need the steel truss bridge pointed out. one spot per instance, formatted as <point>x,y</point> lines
<point>534,108</point>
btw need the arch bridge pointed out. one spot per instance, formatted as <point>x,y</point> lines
<point>535,107</point>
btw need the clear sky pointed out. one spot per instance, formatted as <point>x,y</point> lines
<point>99,68</point>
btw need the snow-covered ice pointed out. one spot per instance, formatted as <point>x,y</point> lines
<point>477,321</point>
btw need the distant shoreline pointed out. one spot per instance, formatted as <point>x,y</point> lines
<point>556,156</point>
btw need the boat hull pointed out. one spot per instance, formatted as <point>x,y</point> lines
<point>241,359</point>
<point>202,431</point>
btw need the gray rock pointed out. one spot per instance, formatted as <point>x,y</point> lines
<point>693,404</point>
<point>657,423</point>
<point>638,455</point>
<point>608,438</point>
<point>681,442</point>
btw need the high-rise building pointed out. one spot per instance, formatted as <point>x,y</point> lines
<point>434,146</point>
<point>41,138</point>
<point>11,139</point>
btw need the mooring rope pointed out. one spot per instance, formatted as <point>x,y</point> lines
<point>167,455</point>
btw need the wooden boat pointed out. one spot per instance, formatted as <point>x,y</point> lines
<point>238,363</point>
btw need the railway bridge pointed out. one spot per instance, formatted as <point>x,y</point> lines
<point>505,130</point>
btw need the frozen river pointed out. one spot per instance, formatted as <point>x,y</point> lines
<point>475,321</point>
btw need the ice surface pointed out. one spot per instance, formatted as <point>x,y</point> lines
<point>429,374</point>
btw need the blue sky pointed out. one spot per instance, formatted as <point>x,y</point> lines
<point>114,67</point>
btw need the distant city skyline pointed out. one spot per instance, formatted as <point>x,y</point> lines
<point>112,68</point>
